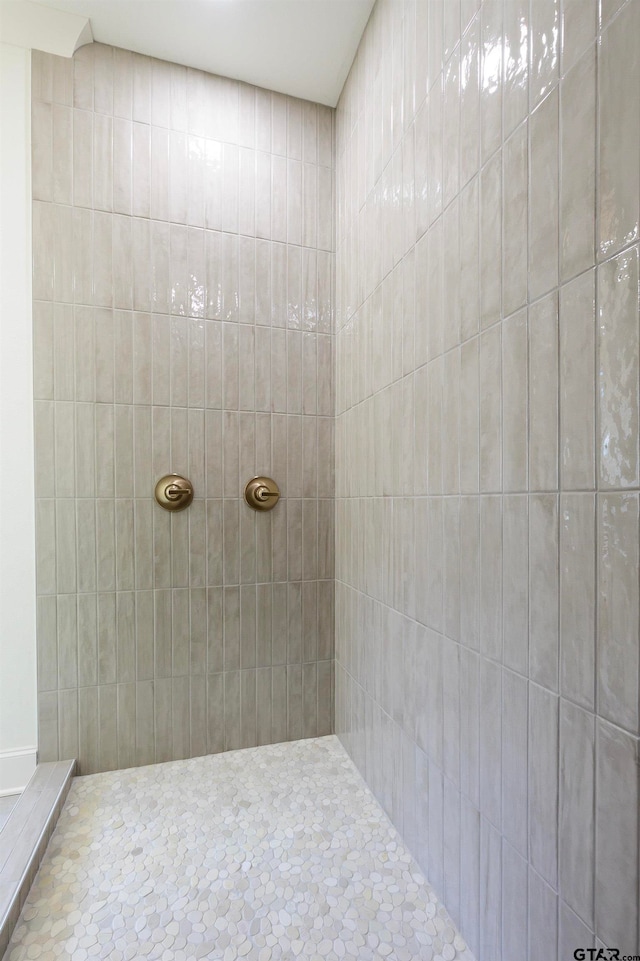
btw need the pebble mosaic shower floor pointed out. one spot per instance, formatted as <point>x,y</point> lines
<point>277,852</point>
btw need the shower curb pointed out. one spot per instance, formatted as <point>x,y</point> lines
<point>25,836</point>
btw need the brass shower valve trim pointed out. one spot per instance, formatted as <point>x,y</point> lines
<point>174,492</point>
<point>262,493</point>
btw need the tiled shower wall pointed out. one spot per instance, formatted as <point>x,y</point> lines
<point>183,236</point>
<point>487,457</point>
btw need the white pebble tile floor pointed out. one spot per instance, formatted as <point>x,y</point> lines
<point>267,853</point>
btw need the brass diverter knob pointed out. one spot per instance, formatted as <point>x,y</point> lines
<point>174,492</point>
<point>262,493</point>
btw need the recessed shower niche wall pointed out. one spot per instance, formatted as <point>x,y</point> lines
<point>183,237</point>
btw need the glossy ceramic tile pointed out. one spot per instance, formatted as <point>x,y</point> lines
<point>504,542</point>
<point>619,141</point>
<point>618,372</point>
<point>170,338</point>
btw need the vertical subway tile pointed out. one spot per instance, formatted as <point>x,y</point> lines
<point>82,158</point>
<point>616,809</point>
<point>48,726</point>
<point>515,170</point>
<point>543,394</point>
<point>62,162</point>
<point>618,371</point>
<point>515,593</point>
<point>122,163</point>
<point>543,918</point>
<point>215,713</point>
<point>106,638</point>
<point>543,196</point>
<point>89,730</point>
<point>469,720</point>
<point>543,590</point>
<point>576,824</point>
<point>490,891</point>
<point>469,871</point>
<point>490,726</point>
<point>577,597</point>
<point>578,165</point>
<point>514,904</point>
<point>102,162</point>
<point>577,386</point>
<point>514,761</point>
<point>491,77</point>
<point>47,638</point>
<point>618,605</point>
<point>45,546</point>
<point>490,594</point>
<point>515,64</point>
<point>122,83</point>
<point>469,572</point>
<point>490,410</point>
<point>544,30</point>
<point>619,133</point>
<point>572,932</point>
<point>163,719</point>
<point>126,708</point>
<point>42,150</point>
<point>87,640</point>
<point>543,782</point>
<point>514,402</point>
<point>67,635</point>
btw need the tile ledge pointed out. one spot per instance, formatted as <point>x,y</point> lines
<point>33,818</point>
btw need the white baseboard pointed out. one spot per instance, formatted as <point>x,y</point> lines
<point>16,768</point>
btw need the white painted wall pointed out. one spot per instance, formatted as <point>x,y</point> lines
<point>18,724</point>
<point>23,26</point>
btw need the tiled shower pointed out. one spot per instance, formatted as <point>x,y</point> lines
<point>443,271</point>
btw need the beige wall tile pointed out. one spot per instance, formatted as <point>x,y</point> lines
<point>617,648</point>
<point>514,172</point>
<point>619,133</point>
<point>543,782</point>
<point>544,160</point>
<point>543,394</point>
<point>579,23</point>
<point>616,875</point>
<point>577,597</point>
<point>576,824</point>
<point>491,248</point>
<point>526,430</point>
<point>514,903</point>
<point>514,402</point>
<point>618,371</point>
<point>515,591</point>
<point>543,918</point>
<point>490,386</point>
<point>491,77</point>
<point>572,931</point>
<point>577,387</point>
<point>543,590</point>
<point>515,64</point>
<point>578,160</point>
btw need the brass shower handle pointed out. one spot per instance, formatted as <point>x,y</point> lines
<point>174,492</point>
<point>262,493</point>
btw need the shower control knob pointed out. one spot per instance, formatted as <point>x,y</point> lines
<point>174,492</point>
<point>262,493</point>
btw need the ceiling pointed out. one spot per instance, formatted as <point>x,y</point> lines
<point>300,47</point>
